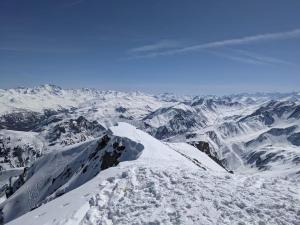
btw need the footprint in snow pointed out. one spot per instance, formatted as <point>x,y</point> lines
<point>65,204</point>
<point>86,195</point>
<point>42,214</point>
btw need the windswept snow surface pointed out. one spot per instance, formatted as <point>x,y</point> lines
<point>196,156</point>
<point>136,194</point>
<point>162,186</point>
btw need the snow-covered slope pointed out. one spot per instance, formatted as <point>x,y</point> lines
<point>196,156</point>
<point>19,149</point>
<point>101,103</point>
<point>61,171</point>
<point>34,98</point>
<point>62,117</point>
<point>254,135</point>
<point>162,185</point>
<point>177,119</point>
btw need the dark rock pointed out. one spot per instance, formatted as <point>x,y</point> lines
<point>120,109</point>
<point>204,147</point>
<point>294,139</point>
<point>73,131</point>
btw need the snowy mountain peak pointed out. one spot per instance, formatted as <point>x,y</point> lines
<point>122,144</point>
<point>51,88</point>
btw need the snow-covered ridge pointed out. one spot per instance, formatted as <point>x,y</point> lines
<point>162,186</point>
<point>62,171</point>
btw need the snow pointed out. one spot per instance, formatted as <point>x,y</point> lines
<point>157,182</point>
<point>24,137</point>
<point>61,171</point>
<point>135,194</point>
<point>41,180</point>
<point>195,154</point>
<point>164,187</point>
<point>10,139</point>
<point>86,100</point>
<point>167,117</point>
<point>66,208</point>
<point>154,151</point>
<point>179,196</point>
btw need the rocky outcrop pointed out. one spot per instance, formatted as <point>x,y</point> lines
<point>74,131</point>
<point>26,120</point>
<point>204,147</point>
<point>59,172</point>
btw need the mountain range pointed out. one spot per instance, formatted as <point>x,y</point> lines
<point>110,157</point>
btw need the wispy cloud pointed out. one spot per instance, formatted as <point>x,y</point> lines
<point>227,43</point>
<point>161,45</point>
<point>244,40</point>
<point>235,57</point>
<point>248,57</point>
<point>262,58</point>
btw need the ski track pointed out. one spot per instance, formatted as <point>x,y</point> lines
<point>149,195</point>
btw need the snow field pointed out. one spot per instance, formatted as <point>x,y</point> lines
<point>150,195</point>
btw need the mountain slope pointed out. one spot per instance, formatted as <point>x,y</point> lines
<point>162,186</point>
<point>61,171</point>
<point>62,117</point>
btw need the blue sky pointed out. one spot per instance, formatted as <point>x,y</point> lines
<point>191,46</point>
